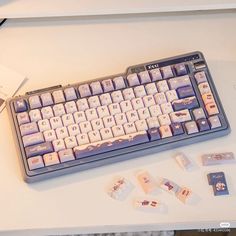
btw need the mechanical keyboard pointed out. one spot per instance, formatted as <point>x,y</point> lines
<point>152,107</point>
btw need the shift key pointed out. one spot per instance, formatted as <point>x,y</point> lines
<point>39,149</point>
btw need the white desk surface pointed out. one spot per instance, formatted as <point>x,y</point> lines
<point>42,8</point>
<point>72,50</point>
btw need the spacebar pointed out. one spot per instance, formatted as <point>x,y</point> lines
<point>110,144</point>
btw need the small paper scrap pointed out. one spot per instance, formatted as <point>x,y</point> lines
<point>10,83</point>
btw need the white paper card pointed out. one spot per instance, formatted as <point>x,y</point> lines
<point>10,83</point>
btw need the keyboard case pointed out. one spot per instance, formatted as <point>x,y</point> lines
<point>194,61</point>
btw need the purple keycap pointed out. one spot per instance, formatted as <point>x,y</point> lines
<point>176,128</point>
<point>203,124</point>
<point>33,139</point>
<point>29,128</point>
<point>154,134</point>
<point>106,145</point>
<point>39,149</point>
<point>220,187</point>
<point>184,92</point>
<point>214,177</point>
<point>20,105</point>
<point>185,103</point>
<point>181,69</point>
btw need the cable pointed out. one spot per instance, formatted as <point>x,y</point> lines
<point>3,21</point>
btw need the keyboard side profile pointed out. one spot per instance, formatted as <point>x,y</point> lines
<point>152,107</point>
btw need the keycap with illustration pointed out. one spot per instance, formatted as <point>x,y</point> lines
<point>152,107</point>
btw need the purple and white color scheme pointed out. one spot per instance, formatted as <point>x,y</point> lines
<point>152,107</point>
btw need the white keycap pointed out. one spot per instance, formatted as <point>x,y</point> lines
<point>59,110</point>
<point>120,119</point>
<point>149,100</point>
<point>91,114</point>
<point>94,136</point>
<point>137,103</point>
<point>165,131</point>
<point>166,108</point>
<point>129,128</point>
<point>128,93</point>
<point>44,125</point>
<point>204,88</point>
<point>107,86</point>
<point>47,112</point>
<point>82,104</point>
<point>82,139</point>
<point>103,111</point>
<point>79,117</point>
<point>160,98</point>
<point>35,115</point>
<point>171,95</point>
<point>49,135</point>
<point>23,118</point>
<point>46,99</point>
<point>70,94</point>
<point>126,106</point>
<point>96,88</point>
<point>62,132</point>
<point>85,127</point>
<point>114,108</point>
<point>139,91</point>
<point>141,125</point>
<point>58,145</point>
<point>97,124</point>
<point>167,72</point>
<point>117,96</point>
<point>199,113</point>
<point>68,119</point>
<point>70,142</point>
<point>162,86</point>
<point>180,116</point>
<point>35,102</point>
<point>56,122</point>
<point>51,159</point>
<point>143,113</point>
<point>106,133</point>
<point>35,162</point>
<point>151,89</point>
<point>70,107</point>
<point>118,130</point>
<point>105,99</point>
<point>84,90</point>
<point>144,77</point>
<point>156,74</point>
<point>94,102</point>
<point>73,130</point>
<point>58,96</point>
<point>133,79</point>
<point>132,116</point>
<point>66,155</point>
<point>153,122</point>
<point>164,119</point>
<point>155,110</point>
<point>119,83</point>
<point>109,121</point>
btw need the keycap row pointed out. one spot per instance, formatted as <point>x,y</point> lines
<point>93,107</point>
<point>107,127</point>
<point>60,96</point>
<point>60,151</point>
